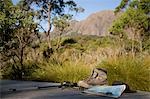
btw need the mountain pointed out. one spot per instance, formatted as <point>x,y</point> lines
<point>96,24</point>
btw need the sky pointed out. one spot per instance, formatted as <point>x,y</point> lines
<point>92,6</point>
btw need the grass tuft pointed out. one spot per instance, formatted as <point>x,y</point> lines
<point>68,71</point>
<point>133,71</point>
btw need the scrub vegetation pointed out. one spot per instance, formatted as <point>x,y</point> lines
<point>27,54</point>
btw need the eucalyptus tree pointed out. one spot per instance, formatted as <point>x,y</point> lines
<point>136,4</point>
<point>18,24</point>
<point>61,24</point>
<point>133,23</point>
<point>6,21</point>
<point>47,10</point>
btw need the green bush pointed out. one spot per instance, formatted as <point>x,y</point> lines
<point>133,71</point>
<point>14,71</point>
<point>68,41</point>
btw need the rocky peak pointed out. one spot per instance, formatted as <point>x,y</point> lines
<point>96,24</point>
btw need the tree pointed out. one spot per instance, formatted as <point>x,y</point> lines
<point>133,23</point>
<point>136,4</point>
<point>61,24</point>
<point>24,34</point>
<point>6,21</point>
<point>47,9</point>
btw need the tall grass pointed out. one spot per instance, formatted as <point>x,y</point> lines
<point>133,71</point>
<point>76,58</point>
<point>68,71</point>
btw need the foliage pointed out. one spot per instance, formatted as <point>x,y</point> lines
<point>68,41</point>
<point>74,62</point>
<point>23,30</point>
<point>132,18</point>
<point>49,9</point>
<point>21,53</point>
<point>136,4</point>
<point>62,22</point>
<point>67,71</point>
<point>7,21</point>
<point>134,72</point>
<point>86,43</point>
<point>71,50</point>
<point>11,71</point>
<point>122,5</point>
<point>133,23</point>
<point>136,13</point>
<point>61,25</point>
<point>70,62</point>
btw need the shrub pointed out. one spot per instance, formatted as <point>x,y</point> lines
<point>14,71</point>
<point>68,41</point>
<point>133,71</point>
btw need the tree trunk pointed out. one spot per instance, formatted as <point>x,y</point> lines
<point>21,69</point>
<point>140,37</point>
<point>21,63</point>
<point>141,46</point>
<point>132,50</point>
<point>133,38</point>
<point>49,40</point>
<point>59,40</point>
<point>49,26</point>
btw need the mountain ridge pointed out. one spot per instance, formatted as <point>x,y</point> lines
<point>96,24</point>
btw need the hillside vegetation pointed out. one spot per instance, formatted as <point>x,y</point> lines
<point>122,44</point>
<point>78,55</point>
